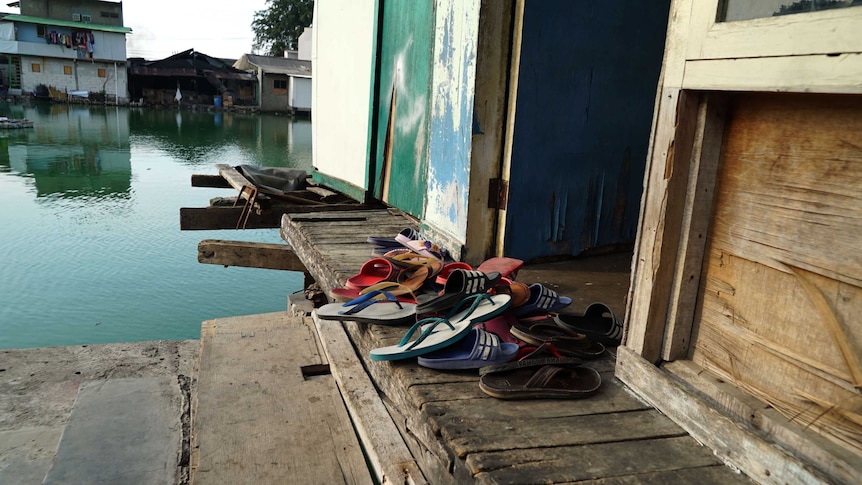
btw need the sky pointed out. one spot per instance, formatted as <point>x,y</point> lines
<point>161,28</point>
<point>217,28</point>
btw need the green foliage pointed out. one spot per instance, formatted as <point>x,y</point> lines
<point>278,27</point>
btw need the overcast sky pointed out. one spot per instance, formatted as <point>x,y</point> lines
<point>217,28</point>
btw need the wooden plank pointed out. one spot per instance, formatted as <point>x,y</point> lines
<point>525,433</point>
<point>212,218</point>
<point>838,74</point>
<point>839,463</point>
<point>646,262</point>
<point>248,255</point>
<point>707,475</point>
<point>606,460</point>
<point>299,431</point>
<point>387,452</point>
<point>694,226</point>
<point>661,218</point>
<point>214,181</point>
<point>783,282</point>
<point>729,439</point>
<point>233,177</point>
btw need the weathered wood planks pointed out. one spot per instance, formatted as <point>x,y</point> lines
<point>453,430</point>
<point>782,286</point>
<point>258,419</point>
<point>248,255</point>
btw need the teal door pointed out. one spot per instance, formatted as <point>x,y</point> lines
<point>403,105</point>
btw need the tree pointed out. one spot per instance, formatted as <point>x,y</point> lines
<point>278,27</point>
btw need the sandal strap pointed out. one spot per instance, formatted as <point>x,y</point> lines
<point>543,377</point>
<point>367,300</point>
<point>475,300</point>
<point>547,298</point>
<point>431,322</point>
<point>487,346</point>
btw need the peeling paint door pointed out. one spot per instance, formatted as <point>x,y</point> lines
<point>403,110</point>
<point>586,89</point>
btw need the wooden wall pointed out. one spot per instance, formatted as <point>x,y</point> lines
<point>781,293</point>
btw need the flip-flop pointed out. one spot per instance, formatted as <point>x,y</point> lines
<point>410,259</point>
<point>403,293</point>
<point>540,379</point>
<point>448,269</point>
<point>507,267</point>
<point>598,323</point>
<point>408,234</point>
<point>368,309</point>
<point>519,292</point>
<point>460,284</point>
<point>425,248</point>
<point>478,349</point>
<point>542,300</point>
<point>501,326</point>
<point>568,343</point>
<point>372,272</point>
<point>437,333</point>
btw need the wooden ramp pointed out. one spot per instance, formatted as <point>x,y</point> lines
<point>457,434</point>
<point>267,411</point>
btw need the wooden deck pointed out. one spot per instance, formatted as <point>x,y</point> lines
<point>267,410</point>
<point>456,433</point>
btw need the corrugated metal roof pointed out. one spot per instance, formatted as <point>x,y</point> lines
<point>274,65</point>
<point>64,23</point>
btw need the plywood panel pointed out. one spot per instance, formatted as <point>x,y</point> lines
<point>782,285</point>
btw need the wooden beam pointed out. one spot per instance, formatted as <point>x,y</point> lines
<point>211,218</point>
<point>214,181</point>
<point>233,177</point>
<point>387,452</point>
<point>729,439</point>
<point>249,255</point>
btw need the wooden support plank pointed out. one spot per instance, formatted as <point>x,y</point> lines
<point>213,181</point>
<point>259,418</point>
<point>214,218</point>
<point>233,177</point>
<point>836,461</point>
<point>695,223</point>
<point>249,255</point>
<point>659,232</point>
<point>729,439</point>
<point>389,456</point>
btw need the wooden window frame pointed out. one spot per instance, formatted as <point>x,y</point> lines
<point>35,67</point>
<point>102,72</point>
<point>705,61</point>
<point>67,70</point>
<point>758,54</point>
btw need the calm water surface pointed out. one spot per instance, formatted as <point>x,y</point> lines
<point>90,245</point>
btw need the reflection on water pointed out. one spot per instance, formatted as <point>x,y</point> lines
<point>90,243</point>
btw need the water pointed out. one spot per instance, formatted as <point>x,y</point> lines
<point>90,245</point>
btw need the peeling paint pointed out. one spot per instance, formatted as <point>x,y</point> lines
<point>453,84</point>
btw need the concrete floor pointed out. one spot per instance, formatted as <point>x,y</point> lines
<point>38,388</point>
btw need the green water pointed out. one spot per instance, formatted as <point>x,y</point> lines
<point>90,245</point>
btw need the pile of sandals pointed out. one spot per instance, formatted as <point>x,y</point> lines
<point>461,317</point>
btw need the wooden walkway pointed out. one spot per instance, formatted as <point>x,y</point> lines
<point>267,410</point>
<point>456,433</point>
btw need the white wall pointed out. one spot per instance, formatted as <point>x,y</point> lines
<point>304,44</point>
<point>300,93</point>
<point>342,63</point>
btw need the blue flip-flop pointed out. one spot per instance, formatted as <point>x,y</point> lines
<point>437,333</point>
<point>542,300</point>
<point>478,349</point>
<point>369,309</point>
